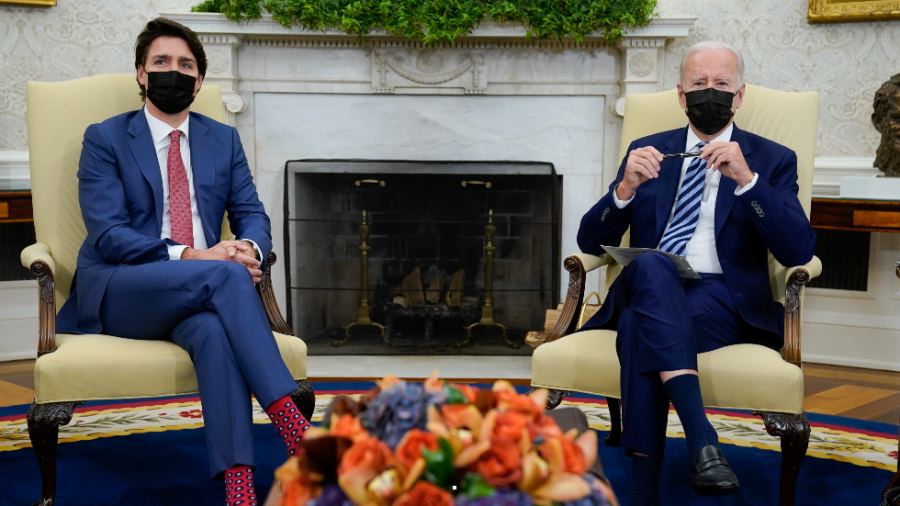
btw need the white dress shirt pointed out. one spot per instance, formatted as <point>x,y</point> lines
<point>700,251</point>
<point>159,132</point>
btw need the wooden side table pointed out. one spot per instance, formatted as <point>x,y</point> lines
<point>856,215</point>
<point>15,206</point>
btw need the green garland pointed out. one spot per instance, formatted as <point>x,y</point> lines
<point>434,21</point>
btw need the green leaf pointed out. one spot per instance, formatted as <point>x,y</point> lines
<point>474,486</point>
<point>439,468</point>
<point>434,21</point>
<point>455,395</point>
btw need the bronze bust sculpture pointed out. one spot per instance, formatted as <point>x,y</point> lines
<point>886,119</point>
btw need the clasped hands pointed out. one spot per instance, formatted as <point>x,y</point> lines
<point>241,252</point>
<point>643,164</point>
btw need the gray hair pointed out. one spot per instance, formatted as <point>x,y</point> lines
<point>712,45</point>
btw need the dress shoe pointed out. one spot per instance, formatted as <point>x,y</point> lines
<point>711,473</point>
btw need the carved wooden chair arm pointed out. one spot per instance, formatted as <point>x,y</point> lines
<point>796,279</point>
<point>267,295</point>
<point>578,266</point>
<point>39,261</point>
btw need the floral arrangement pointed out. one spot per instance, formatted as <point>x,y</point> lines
<point>441,444</point>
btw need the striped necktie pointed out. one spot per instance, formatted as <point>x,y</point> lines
<point>687,208</point>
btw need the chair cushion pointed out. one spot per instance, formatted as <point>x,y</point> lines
<point>742,376</point>
<point>96,367</point>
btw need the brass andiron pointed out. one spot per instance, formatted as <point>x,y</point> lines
<point>363,318</point>
<point>487,311</point>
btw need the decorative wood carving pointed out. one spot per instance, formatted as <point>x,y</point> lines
<point>792,316</point>
<point>305,398</point>
<point>794,433</point>
<point>568,320</point>
<point>554,399</point>
<point>615,422</point>
<point>43,430</point>
<point>267,295</point>
<point>47,308</point>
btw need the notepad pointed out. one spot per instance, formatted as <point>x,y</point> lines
<point>624,256</point>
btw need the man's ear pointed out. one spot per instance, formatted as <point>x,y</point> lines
<point>198,84</point>
<point>142,76</point>
<point>739,98</point>
<point>681,100</point>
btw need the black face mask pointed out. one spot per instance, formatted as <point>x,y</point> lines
<point>709,110</point>
<point>171,92</point>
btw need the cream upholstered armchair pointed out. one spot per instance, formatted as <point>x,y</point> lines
<point>71,369</point>
<point>744,376</point>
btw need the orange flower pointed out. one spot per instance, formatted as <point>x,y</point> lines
<point>369,453</point>
<point>544,426</point>
<point>410,448</point>
<point>511,401</point>
<point>510,425</point>
<point>298,484</point>
<point>348,426</point>
<point>502,464</point>
<point>458,416</point>
<point>573,457</point>
<point>425,494</point>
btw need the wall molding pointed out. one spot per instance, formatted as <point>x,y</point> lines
<point>829,171</point>
<point>14,174</point>
<point>853,320</point>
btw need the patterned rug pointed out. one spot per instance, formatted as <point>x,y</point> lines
<point>842,452</point>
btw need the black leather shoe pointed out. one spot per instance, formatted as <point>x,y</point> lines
<point>711,473</point>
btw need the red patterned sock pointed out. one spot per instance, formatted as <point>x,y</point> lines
<point>239,486</point>
<point>290,423</point>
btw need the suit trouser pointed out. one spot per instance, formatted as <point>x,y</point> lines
<point>212,310</point>
<point>662,323</point>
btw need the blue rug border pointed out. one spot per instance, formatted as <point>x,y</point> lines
<point>814,418</point>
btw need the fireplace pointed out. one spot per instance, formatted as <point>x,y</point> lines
<point>426,228</point>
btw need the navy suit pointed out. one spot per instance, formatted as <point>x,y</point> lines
<point>125,286</point>
<point>664,321</point>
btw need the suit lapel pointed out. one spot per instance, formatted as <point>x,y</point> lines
<point>726,198</point>
<point>667,183</point>
<point>142,148</point>
<point>203,166</point>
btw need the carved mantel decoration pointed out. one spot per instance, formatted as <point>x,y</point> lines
<point>404,66</point>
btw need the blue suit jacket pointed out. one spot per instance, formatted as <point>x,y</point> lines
<point>121,195</point>
<point>744,236</point>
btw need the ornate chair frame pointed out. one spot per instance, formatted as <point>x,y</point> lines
<point>44,419</point>
<point>793,429</point>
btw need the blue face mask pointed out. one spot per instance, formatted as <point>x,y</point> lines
<point>709,110</point>
<point>171,92</point>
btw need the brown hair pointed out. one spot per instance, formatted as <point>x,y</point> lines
<point>163,27</point>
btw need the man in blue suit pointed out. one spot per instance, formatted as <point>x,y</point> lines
<point>154,185</point>
<point>724,210</point>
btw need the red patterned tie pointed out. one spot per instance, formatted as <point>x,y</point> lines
<point>179,194</point>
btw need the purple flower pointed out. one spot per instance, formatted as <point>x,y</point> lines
<point>499,498</point>
<point>396,411</point>
<point>332,495</point>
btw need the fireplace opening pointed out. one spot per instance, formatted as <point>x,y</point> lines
<point>394,257</point>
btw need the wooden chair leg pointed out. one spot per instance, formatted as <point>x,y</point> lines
<point>794,433</point>
<point>615,421</point>
<point>43,430</point>
<point>554,399</point>
<point>305,398</point>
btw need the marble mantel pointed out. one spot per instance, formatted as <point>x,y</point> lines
<point>642,49</point>
<point>302,94</point>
